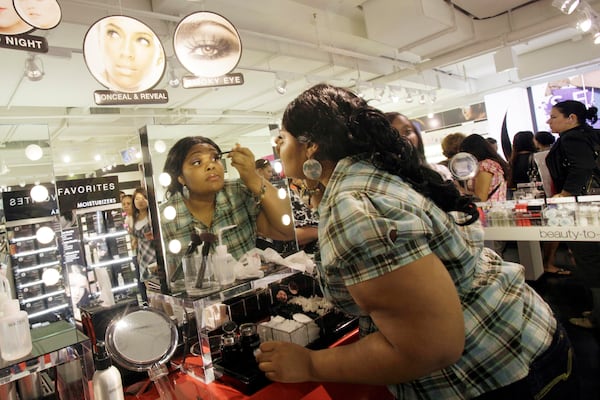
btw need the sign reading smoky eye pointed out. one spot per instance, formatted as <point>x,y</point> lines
<point>124,55</point>
<point>208,46</point>
<point>40,14</point>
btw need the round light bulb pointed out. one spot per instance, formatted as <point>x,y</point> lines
<point>164,179</point>
<point>170,213</point>
<point>286,219</point>
<point>175,246</point>
<point>34,152</point>
<point>50,276</point>
<point>160,146</point>
<point>282,193</point>
<point>39,193</point>
<point>44,235</point>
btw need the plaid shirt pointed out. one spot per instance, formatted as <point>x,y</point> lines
<point>506,323</point>
<point>145,253</point>
<point>234,205</point>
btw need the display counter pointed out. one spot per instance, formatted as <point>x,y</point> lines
<point>566,219</point>
<point>188,387</point>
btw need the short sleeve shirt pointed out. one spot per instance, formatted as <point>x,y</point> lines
<point>235,205</point>
<point>507,324</point>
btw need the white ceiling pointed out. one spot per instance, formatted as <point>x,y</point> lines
<point>436,46</point>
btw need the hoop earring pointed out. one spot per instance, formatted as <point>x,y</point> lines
<point>312,169</point>
<point>185,192</point>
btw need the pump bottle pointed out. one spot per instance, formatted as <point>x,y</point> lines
<point>223,261</point>
<point>15,337</point>
<point>107,378</point>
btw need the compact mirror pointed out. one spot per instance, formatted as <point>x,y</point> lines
<point>463,166</point>
<point>142,339</point>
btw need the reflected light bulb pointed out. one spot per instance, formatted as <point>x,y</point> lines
<point>164,179</point>
<point>278,167</point>
<point>160,146</point>
<point>50,276</point>
<point>34,152</point>
<point>39,193</point>
<point>286,219</point>
<point>281,193</point>
<point>170,213</point>
<point>175,246</point>
<point>44,235</point>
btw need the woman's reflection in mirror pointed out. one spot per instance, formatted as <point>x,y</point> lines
<point>143,239</point>
<point>203,199</point>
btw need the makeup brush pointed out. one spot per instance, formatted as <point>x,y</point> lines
<point>207,240</point>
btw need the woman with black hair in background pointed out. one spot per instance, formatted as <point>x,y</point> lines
<point>572,163</point>
<point>522,165</point>
<point>492,173</point>
<point>440,316</point>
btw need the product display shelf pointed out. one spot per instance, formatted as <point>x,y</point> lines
<point>106,243</point>
<point>30,259</point>
<point>55,344</point>
<point>185,309</point>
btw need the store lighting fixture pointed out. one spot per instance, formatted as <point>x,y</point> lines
<point>422,99</point>
<point>280,86</point>
<point>174,80</point>
<point>597,37</point>
<point>566,6</point>
<point>34,68</point>
<point>585,20</point>
<point>408,98</point>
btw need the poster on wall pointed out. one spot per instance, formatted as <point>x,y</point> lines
<point>584,88</point>
<point>209,47</point>
<point>126,56</point>
<point>20,17</point>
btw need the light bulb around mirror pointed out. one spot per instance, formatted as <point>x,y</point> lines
<point>164,179</point>
<point>286,219</point>
<point>39,193</point>
<point>277,166</point>
<point>160,146</point>
<point>50,276</point>
<point>281,193</point>
<point>34,152</point>
<point>44,235</point>
<point>175,246</point>
<point>169,213</point>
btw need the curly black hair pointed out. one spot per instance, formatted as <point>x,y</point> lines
<point>343,124</point>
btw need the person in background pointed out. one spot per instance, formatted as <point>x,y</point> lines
<point>127,206</point>
<point>493,142</point>
<point>264,168</point>
<point>490,182</point>
<point>305,221</point>
<point>203,199</point>
<point>392,252</point>
<point>521,163</point>
<point>543,140</point>
<point>142,232</point>
<point>572,164</point>
<point>408,129</point>
<point>450,146</point>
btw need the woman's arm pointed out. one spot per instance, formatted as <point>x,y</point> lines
<point>421,330</point>
<point>483,181</point>
<point>269,221</point>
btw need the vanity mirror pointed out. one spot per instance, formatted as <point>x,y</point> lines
<point>30,226</point>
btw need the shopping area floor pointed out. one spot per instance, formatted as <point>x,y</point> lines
<point>567,298</point>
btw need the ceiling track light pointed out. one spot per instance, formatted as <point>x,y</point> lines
<point>34,68</point>
<point>174,80</point>
<point>566,6</point>
<point>280,86</point>
<point>585,20</point>
<point>597,37</point>
<point>408,98</point>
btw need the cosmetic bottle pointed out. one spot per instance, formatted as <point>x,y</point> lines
<point>15,337</point>
<point>223,261</point>
<point>107,378</point>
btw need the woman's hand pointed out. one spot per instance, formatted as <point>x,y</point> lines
<point>242,159</point>
<point>285,362</point>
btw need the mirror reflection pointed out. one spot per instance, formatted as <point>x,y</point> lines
<point>30,258</point>
<point>213,205</point>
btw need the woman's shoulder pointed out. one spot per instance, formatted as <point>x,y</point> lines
<point>490,165</point>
